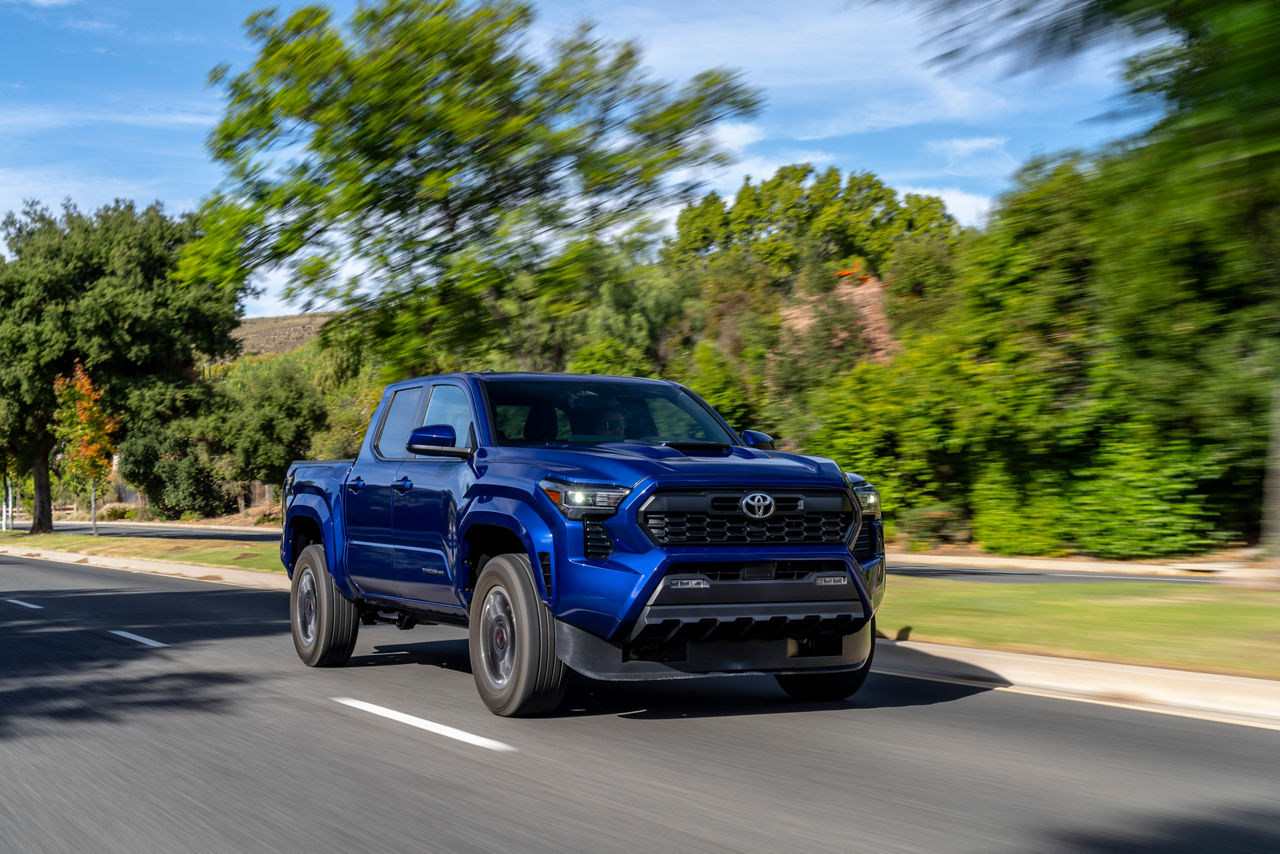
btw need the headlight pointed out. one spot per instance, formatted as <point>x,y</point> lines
<point>577,500</point>
<point>868,495</point>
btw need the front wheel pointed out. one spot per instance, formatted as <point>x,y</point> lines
<point>513,641</point>
<point>324,621</point>
<point>826,687</point>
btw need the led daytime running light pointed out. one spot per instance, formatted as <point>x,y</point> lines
<point>576,500</point>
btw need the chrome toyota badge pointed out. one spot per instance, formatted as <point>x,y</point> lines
<point>757,505</point>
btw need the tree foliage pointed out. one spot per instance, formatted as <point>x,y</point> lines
<point>428,148</point>
<point>83,427</point>
<point>270,409</point>
<point>98,290</point>
<point>1188,233</point>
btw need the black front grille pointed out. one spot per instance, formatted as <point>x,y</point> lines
<point>782,570</point>
<point>715,517</point>
<point>598,544</point>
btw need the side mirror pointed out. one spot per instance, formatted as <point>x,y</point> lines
<point>756,439</point>
<point>436,440</point>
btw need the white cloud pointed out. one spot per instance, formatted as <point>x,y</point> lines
<point>41,4</point>
<point>737,136</point>
<point>979,156</point>
<point>851,68</point>
<point>968,146</point>
<point>90,26</point>
<point>969,208</point>
<point>17,121</point>
<point>271,303</point>
<point>762,167</point>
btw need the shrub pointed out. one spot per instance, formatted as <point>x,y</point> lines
<point>931,525</point>
<point>113,511</point>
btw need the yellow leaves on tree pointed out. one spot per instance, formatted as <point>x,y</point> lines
<point>83,427</point>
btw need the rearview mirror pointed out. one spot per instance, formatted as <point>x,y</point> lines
<point>436,440</point>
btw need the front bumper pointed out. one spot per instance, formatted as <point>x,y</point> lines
<point>597,658</point>
<point>696,623</point>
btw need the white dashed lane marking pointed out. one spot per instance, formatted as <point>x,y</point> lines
<point>24,604</point>
<point>139,638</point>
<point>424,724</point>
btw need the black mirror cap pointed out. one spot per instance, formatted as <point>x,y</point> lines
<point>756,439</point>
<point>436,440</point>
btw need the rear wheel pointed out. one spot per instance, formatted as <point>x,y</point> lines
<point>828,686</point>
<point>324,621</point>
<point>513,641</point>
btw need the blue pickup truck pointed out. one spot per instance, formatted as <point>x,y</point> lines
<point>613,526</point>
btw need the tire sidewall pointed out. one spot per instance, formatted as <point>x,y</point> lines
<point>512,575</point>
<point>310,562</point>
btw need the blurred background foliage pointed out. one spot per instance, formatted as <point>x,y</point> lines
<point>1091,372</point>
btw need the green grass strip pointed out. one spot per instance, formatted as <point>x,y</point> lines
<point>236,554</point>
<point>1205,628</point>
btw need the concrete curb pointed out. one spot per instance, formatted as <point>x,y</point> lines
<point>1232,699</point>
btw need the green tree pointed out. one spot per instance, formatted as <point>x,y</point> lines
<point>430,147</point>
<point>1209,164</point>
<point>100,290</point>
<point>269,413</point>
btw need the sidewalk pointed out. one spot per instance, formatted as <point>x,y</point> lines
<point>1233,699</point>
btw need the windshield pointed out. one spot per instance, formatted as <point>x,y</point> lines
<point>599,411</point>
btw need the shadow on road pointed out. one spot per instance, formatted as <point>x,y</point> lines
<point>60,664</point>
<point>1237,830</point>
<point>745,695</point>
<point>447,654</point>
<point>710,696</point>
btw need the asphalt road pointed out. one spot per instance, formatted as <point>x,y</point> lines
<point>221,741</point>
<point>1002,576</point>
<point>114,529</point>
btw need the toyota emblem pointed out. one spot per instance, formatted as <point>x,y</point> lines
<point>757,505</point>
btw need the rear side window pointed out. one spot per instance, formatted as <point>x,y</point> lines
<point>402,417</point>
<point>449,405</point>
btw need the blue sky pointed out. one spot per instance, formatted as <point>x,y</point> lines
<point>100,100</point>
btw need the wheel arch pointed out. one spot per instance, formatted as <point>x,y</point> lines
<point>495,532</point>
<point>307,523</point>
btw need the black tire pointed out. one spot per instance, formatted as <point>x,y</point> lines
<point>824,687</point>
<point>324,622</point>
<point>513,643</point>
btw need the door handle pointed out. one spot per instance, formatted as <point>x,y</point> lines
<point>356,485</point>
<point>403,485</point>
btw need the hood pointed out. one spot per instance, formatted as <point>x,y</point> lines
<point>629,464</point>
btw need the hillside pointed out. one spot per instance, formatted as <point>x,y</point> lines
<point>274,335</point>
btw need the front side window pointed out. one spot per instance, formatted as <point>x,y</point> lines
<point>402,417</point>
<point>449,405</point>
<point>589,411</point>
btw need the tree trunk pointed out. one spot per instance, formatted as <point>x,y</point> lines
<point>93,506</point>
<point>42,509</point>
